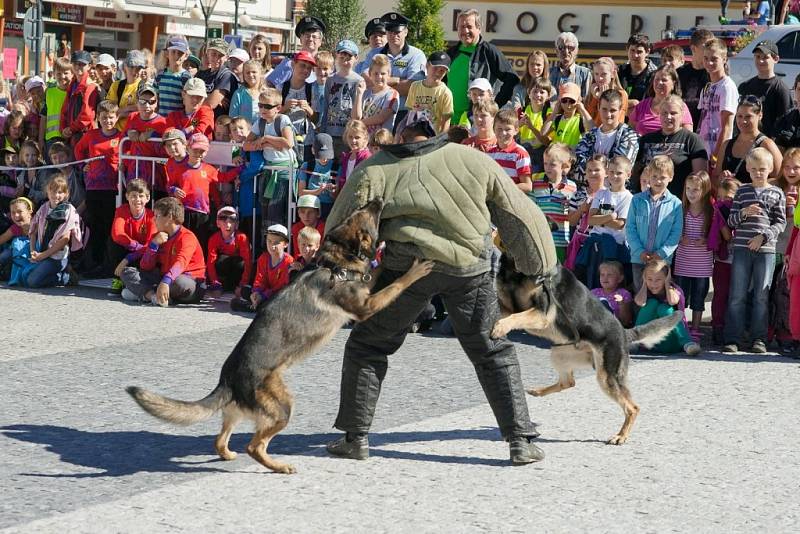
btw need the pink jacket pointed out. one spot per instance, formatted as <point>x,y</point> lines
<point>71,226</point>
<point>361,156</point>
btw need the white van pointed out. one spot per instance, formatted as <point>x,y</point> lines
<point>787,39</point>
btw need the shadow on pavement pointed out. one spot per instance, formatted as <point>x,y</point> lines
<point>117,454</point>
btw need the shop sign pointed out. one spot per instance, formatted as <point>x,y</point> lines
<point>184,27</point>
<point>13,28</point>
<point>112,20</point>
<point>54,12</point>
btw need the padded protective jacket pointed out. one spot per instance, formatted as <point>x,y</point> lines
<point>440,202</point>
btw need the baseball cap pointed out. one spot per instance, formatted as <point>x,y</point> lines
<point>323,146</point>
<point>195,87</point>
<point>173,133</point>
<point>227,211</point>
<point>107,60</point>
<point>240,54</point>
<point>198,140</point>
<point>439,59</point>
<point>569,90</point>
<point>135,58</point>
<point>767,47</point>
<point>34,81</point>
<point>279,229</point>
<point>420,121</point>
<point>308,201</point>
<point>193,60</point>
<point>480,83</point>
<point>81,56</point>
<point>346,45</point>
<point>220,45</point>
<point>177,42</point>
<point>147,87</point>
<point>302,55</point>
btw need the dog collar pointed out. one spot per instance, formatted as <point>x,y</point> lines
<point>343,275</point>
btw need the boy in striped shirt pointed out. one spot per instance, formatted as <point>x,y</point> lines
<point>507,153</point>
<point>758,216</point>
<point>552,191</point>
<point>171,80</point>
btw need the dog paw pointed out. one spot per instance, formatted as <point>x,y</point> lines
<point>227,455</point>
<point>535,392</point>
<point>499,330</point>
<point>617,439</point>
<point>285,469</point>
<point>421,268</point>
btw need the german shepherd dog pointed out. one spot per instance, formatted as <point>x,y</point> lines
<point>299,319</point>
<point>584,333</point>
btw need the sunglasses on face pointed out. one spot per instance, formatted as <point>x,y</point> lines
<point>567,101</point>
<point>146,102</point>
<point>229,218</point>
<point>567,48</point>
<point>267,106</point>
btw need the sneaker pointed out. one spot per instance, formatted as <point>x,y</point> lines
<point>116,288</point>
<point>692,349</point>
<point>354,447</point>
<point>523,451</point>
<point>730,347</point>
<point>723,20</point>
<point>129,295</point>
<point>758,347</point>
<point>154,302</point>
<point>72,276</point>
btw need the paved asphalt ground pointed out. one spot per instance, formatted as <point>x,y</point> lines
<point>715,448</point>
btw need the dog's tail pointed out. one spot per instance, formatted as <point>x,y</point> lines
<point>651,333</point>
<point>178,411</point>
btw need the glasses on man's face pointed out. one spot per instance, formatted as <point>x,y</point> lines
<point>568,101</point>
<point>564,48</point>
<point>267,106</point>
<point>146,102</point>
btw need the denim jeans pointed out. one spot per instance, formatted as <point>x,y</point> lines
<point>749,271</point>
<point>48,273</point>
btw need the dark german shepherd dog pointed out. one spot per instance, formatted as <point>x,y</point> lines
<point>584,333</point>
<point>251,381</point>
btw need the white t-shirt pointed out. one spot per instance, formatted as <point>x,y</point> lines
<point>607,201</point>
<point>275,128</point>
<point>604,141</point>
<point>716,98</point>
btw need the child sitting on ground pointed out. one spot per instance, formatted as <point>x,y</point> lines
<point>315,178</point>
<point>616,298</point>
<point>272,271</point>
<point>660,297</point>
<point>133,227</point>
<point>308,211</point>
<point>172,267</point>
<point>55,231</point>
<point>308,241</point>
<point>607,216</point>
<point>229,259</point>
<point>552,191</point>
<point>21,211</point>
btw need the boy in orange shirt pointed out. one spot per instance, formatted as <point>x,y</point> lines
<point>133,227</point>
<point>172,266</point>
<point>272,271</point>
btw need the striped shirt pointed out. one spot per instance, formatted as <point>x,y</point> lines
<point>170,85</point>
<point>513,159</point>
<point>553,200</point>
<point>694,260</point>
<point>769,223</point>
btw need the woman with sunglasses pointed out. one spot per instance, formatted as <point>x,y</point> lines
<point>732,153</point>
<point>645,117</point>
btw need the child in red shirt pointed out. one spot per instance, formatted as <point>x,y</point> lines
<point>172,266</point>
<point>272,271</point>
<point>189,178</point>
<point>229,259</point>
<point>195,116</point>
<point>100,179</point>
<point>142,125</point>
<point>134,225</point>
<point>308,210</point>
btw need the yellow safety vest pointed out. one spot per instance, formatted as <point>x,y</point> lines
<point>54,100</point>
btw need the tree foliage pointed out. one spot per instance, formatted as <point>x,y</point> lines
<point>344,19</point>
<point>425,29</point>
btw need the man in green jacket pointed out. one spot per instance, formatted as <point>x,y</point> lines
<point>440,201</point>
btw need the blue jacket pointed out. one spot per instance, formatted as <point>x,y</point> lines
<point>668,233</point>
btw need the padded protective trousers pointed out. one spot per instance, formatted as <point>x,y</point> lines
<point>472,307</point>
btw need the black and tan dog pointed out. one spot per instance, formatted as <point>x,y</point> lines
<point>251,381</point>
<point>584,333</point>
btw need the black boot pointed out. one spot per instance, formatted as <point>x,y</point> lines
<point>352,446</point>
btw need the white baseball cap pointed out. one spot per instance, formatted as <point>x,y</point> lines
<point>240,54</point>
<point>34,81</point>
<point>106,60</point>
<point>480,83</point>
